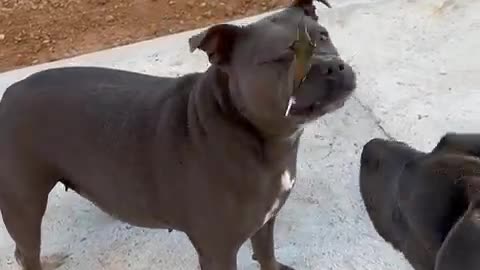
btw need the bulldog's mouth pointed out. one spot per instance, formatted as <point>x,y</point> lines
<point>315,108</point>
<point>335,105</point>
<point>305,104</point>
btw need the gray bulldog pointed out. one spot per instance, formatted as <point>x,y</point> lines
<point>427,205</point>
<point>211,154</point>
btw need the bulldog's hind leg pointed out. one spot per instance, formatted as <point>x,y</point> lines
<point>23,201</point>
<point>217,252</point>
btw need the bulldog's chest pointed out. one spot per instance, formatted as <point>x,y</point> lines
<point>282,179</point>
<point>285,183</point>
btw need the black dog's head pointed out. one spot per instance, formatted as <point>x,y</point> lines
<point>426,204</point>
<point>283,71</point>
<point>382,165</point>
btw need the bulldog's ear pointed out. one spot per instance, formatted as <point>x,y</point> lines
<point>303,3</point>
<point>461,246</point>
<point>217,42</point>
<point>308,7</point>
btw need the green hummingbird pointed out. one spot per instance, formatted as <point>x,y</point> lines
<point>303,47</point>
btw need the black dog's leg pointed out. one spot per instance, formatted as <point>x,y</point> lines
<point>263,248</point>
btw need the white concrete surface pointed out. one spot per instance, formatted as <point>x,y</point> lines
<point>419,76</point>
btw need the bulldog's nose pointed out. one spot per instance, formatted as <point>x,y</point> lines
<point>330,65</point>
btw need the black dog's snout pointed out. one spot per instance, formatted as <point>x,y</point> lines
<point>371,154</point>
<point>330,65</point>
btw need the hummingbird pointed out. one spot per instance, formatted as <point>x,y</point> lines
<point>303,47</point>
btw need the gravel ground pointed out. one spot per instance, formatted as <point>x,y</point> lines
<point>39,31</point>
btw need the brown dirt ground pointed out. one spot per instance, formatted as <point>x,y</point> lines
<point>39,31</point>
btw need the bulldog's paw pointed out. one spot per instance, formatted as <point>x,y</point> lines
<point>284,267</point>
<point>275,266</point>
<point>54,261</point>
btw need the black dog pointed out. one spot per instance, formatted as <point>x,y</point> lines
<point>427,205</point>
<point>211,154</point>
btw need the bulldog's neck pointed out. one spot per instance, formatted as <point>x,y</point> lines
<point>213,91</point>
<point>217,117</point>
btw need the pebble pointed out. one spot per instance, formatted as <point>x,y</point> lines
<point>208,14</point>
<point>109,18</point>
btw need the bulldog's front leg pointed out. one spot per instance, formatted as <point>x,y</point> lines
<point>263,248</point>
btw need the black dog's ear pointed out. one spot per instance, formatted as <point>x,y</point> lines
<point>472,186</point>
<point>447,143</point>
<point>217,42</point>
<point>460,143</point>
<point>461,246</point>
<point>308,7</point>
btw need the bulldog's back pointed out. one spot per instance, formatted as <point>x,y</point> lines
<point>90,103</point>
<point>96,129</point>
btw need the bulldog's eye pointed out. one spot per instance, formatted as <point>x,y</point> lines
<point>324,36</point>
<point>286,56</point>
